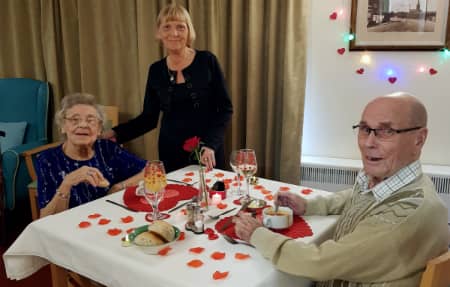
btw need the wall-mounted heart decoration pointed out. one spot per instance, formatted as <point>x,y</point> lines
<point>333,16</point>
<point>360,71</point>
<point>392,79</point>
<point>433,71</point>
<point>341,51</point>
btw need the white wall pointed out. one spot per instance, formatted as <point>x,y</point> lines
<point>336,95</point>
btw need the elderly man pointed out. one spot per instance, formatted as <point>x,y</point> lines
<point>391,222</point>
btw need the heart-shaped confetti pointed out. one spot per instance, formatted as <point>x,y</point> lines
<point>220,275</point>
<point>433,71</point>
<point>392,79</point>
<point>218,255</point>
<point>333,16</point>
<point>341,51</point>
<point>360,71</point>
<point>164,251</point>
<point>195,263</point>
<point>241,256</point>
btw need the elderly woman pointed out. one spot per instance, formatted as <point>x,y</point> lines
<point>188,87</point>
<point>83,167</point>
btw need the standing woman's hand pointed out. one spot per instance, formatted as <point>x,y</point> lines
<point>109,135</point>
<point>208,158</point>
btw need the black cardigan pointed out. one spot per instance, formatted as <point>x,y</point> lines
<point>199,107</point>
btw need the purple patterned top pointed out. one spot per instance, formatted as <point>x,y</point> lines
<point>114,162</point>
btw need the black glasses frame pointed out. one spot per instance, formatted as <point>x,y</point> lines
<point>368,130</point>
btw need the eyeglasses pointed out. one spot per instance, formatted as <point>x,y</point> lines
<point>90,120</point>
<point>381,133</point>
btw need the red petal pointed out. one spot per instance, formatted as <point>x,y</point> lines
<point>209,230</point>
<point>197,250</point>
<point>114,231</point>
<point>284,188</point>
<point>164,251</point>
<point>104,221</point>
<point>269,197</point>
<point>258,187</point>
<point>186,179</point>
<point>191,173</point>
<point>218,255</point>
<point>306,191</point>
<point>265,191</point>
<point>228,180</point>
<point>127,219</point>
<point>195,263</point>
<point>220,275</point>
<point>241,256</point>
<point>182,236</point>
<point>208,180</point>
<point>221,205</point>
<point>219,174</point>
<point>84,224</point>
<point>129,230</point>
<point>213,236</point>
<point>94,215</point>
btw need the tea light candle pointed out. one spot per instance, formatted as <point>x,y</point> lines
<point>216,199</point>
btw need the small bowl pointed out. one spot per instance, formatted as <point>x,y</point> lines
<point>256,204</point>
<point>151,249</point>
<point>284,217</point>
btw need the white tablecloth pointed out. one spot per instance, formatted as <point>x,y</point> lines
<point>99,256</point>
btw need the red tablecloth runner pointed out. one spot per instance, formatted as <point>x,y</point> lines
<point>173,194</point>
<point>300,228</point>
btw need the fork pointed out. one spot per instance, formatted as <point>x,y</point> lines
<point>234,241</point>
<point>217,216</point>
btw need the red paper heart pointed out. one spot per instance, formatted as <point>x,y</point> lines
<point>392,79</point>
<point>333,16</point>
<point>341,51</point>
<point>433,71</point>
<point>360,71</point>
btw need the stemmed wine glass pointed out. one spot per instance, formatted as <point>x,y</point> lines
<point>154,188</point>
<point>247,166</point>
<point>235,157</point>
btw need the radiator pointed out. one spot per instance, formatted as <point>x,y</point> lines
<point>333,174</point>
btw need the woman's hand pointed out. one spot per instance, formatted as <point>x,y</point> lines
<point>109,135</point>
<point>86,174</point>
<point>293,201</point>
<point>245,225</point>
<point>208,158</point>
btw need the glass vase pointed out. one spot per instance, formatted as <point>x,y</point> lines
<point>202,189</point>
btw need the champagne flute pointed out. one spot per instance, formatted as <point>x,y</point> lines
<point>235,157</point>
<point>247,166</point>
<point>154,188</point>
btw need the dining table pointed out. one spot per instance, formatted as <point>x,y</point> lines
<point>89,240</point>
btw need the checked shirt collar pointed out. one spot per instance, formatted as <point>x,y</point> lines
<point>390,185</point>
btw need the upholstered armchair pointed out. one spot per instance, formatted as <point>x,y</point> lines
<point>23,117</point>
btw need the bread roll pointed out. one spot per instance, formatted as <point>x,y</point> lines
<point>163,229</point>
<point>103,183</point>
<point>148,239</point>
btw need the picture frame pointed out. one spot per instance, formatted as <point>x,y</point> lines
<point>400,24</point>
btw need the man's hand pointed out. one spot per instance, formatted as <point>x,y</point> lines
<point>245,225</point>
<point>293,201</point>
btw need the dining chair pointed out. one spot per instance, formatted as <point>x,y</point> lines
<point>437,272</point>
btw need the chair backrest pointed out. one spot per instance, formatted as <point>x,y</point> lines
<point>437,272</point>
<point>25,100</point>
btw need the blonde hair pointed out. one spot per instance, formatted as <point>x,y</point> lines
<point>176,12</point>
<point>78,99</point>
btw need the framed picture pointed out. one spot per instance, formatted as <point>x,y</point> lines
<point>400,24</point>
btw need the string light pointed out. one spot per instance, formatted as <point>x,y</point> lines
<point>390,72</point>
<point>421,69</point>
<point>366,59</point>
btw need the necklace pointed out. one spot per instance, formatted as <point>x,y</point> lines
<point>185,60</point>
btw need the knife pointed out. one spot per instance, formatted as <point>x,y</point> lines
<point>121,205</point>
<point>230,219</point>
<point>182,182</point>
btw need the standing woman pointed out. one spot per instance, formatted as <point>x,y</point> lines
<point>188,86</point>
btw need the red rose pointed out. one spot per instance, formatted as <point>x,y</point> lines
<point>191,144</point>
